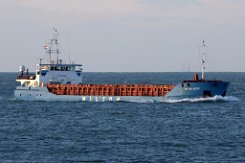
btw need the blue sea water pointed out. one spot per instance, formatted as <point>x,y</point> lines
<point>174,131</point>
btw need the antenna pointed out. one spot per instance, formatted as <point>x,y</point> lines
<point>203,58</point>
<point>69,57</point>
<point>40,60</point>
<point>52,46</point>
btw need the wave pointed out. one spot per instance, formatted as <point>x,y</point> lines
<point>215,98</point>
<point>142,101</point>
<point>182,100</point>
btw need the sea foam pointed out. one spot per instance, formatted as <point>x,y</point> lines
<point>215,98</point>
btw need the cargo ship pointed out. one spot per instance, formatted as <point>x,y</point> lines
<point>55,80</point>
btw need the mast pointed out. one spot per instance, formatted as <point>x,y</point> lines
<point>203,58</point>
<point>52,46</point>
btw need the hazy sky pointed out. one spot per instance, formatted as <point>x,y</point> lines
<point>125,35</point>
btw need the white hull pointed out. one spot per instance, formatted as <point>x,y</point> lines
<point>42,94</point>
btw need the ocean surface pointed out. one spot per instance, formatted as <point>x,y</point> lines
<point>187,130</point>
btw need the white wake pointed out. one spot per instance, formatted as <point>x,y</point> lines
<point>215,98</point>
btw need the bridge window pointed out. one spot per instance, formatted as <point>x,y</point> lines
<point>57,68</point>
<point>62,68</point>
<point>68,68</point>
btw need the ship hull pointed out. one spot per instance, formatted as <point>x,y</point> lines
<point>186,89</point>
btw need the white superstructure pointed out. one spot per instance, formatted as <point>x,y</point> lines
<point>55,71</point>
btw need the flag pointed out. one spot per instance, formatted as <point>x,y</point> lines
<point>45,47</point>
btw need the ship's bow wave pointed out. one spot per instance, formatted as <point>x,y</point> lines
<point>208,99</point>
